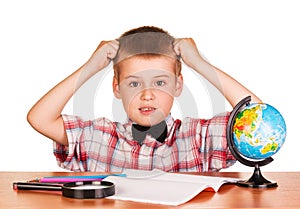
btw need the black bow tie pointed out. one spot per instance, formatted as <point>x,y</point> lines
<point>158,131</point>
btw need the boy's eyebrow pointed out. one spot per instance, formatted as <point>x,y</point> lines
<point>136,77</point>
<point>159,76</point>
<point>131,76</point>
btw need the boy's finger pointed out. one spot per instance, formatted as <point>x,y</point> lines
<point>114,44</point>
<point>176,46</point>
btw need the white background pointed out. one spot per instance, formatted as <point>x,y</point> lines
<point>42,42</point>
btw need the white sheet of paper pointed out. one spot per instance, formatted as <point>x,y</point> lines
<point>159,187</point>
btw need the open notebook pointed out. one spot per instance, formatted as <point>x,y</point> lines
<point>160,187</point>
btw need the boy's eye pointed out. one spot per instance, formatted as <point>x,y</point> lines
<point>160,83</point>
<point>134,84</point>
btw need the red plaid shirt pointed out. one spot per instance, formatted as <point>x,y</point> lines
<point>102,145</point>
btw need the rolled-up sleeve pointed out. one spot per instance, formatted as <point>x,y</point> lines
<point>74,157</point>
<point>215,147</point>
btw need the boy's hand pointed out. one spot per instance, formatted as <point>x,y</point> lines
<point>187,50</point>
<point>104,53</point>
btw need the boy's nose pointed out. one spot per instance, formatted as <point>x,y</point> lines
<point>147,94</point>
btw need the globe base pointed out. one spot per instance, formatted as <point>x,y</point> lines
<point>257,181</point>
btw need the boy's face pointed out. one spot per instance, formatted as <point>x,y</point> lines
<point>147,87</point>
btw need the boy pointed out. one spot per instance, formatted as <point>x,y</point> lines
<point>147,77</point>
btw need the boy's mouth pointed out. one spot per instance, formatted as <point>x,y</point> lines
<point>147,110</point>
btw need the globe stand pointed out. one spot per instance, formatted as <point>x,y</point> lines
<point>257,180</point>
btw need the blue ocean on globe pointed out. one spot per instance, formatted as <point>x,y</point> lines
<point>259,131</point>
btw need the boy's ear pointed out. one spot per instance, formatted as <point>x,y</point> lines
<point>179,85</point>
<point>116,88</point>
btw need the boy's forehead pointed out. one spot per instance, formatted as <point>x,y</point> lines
<point>146,75</point>
<point>145,43</point>
<point>151,66</point>
<point>151,73</point>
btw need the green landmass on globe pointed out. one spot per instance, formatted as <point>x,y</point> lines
<point>259,131</point>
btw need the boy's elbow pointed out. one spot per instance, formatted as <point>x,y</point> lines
<point>33,119</point>
<point>54,130</point>
<point>30,119</point>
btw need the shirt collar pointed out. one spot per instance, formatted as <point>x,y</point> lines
<point>169,120</point>
<point>128,132</point>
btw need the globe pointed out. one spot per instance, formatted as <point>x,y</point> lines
<point>259,131</point>
<point>255,132</point>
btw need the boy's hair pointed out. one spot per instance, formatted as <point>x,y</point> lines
<point>146,42</point>
<point>145,29</point>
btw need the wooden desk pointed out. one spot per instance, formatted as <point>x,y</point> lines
<point>286,195</point>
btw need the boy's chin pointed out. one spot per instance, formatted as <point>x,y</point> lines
<point>149,123</point>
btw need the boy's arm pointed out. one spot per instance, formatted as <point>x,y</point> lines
<point>232,90</point>
<point>45,115</point>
